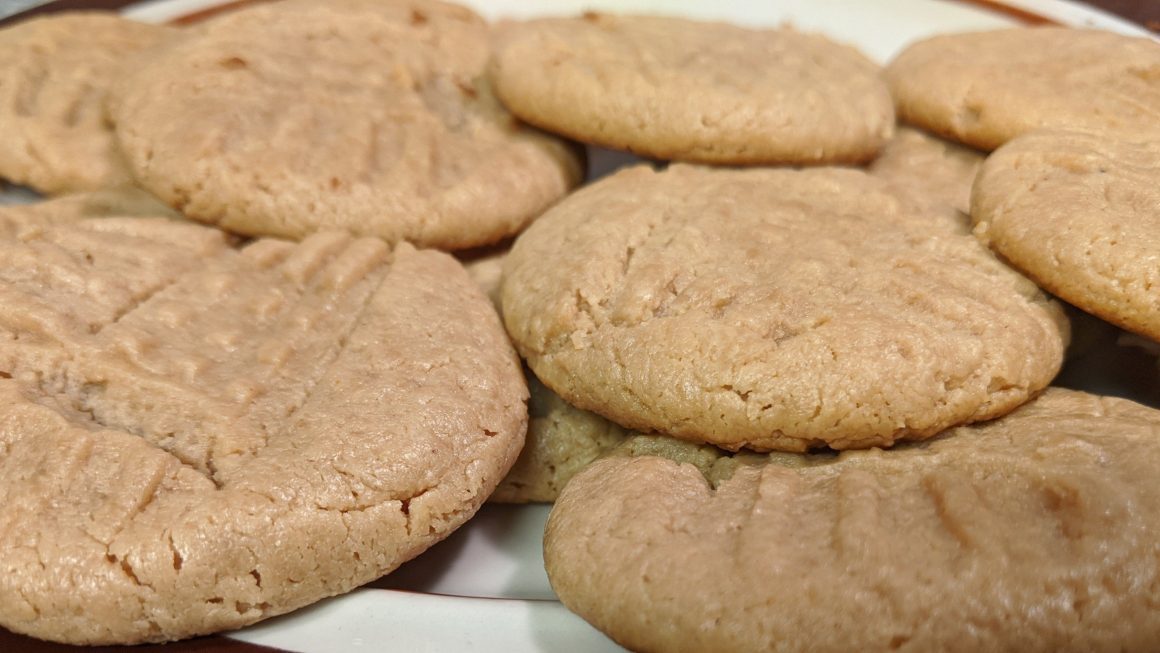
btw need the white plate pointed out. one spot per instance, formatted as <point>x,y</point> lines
<point>484,588</point>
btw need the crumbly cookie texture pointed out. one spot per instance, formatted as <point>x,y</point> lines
<point>931,170</point>
<point>773,309</point>
<point>562,439</point>
<point>573,439</point>
<point>54,76</point>
<point>1036,532</point>
<point>366,116</point>
<point>195,437</point>
<point>715,464</point>
<point>985,88</point>
<point>1077,212</point>
<point>672,88</point>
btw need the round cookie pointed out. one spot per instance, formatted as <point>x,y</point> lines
<point>1077,212</point>
<point>931,170</point>
<point>673,88</point>
<point>773,309</point>
<point>195,437</point>
<point>366,116</point>
<point>53,80</point>
<point>985,88</point>
<point>1036,532</point>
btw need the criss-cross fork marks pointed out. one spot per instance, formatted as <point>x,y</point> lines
<point>53,90</point>
<point>1036,531</point>
<point>237,433</point>
<point>58,63</point>
<point>206,352</point>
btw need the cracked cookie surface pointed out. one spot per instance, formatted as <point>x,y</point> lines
<point>679,89</point>
<point>773,309</point>
<point>371,117</point>
<point>1035,532</point>
<point>985,88</point>
<point>194,437</point>
<point>1077,212</point>
<point>54,77</point>
<point>562,439</point>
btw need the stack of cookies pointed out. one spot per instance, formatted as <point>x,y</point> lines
<point>801,362</point>
<point>230,385</point>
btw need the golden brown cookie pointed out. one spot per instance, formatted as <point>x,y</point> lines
<point>1077,212</point>
<point>773,309</point>
<point>673,88</point>
<point>366,116</point>
<point>54,133</point>
<point>1037,532</point>
<point>195,437</point>
<point>985,88</point>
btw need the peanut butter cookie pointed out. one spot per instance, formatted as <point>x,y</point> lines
<point>985,88</point>
<point>55,135</point>
<point>1035,532</point>
<point>195,437</point>
<point>366,116</point>
<point>673,88</point>
<point>773,309</point>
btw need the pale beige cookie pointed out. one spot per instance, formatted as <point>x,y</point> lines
<point>194,437</point>
<point>1037,532</point>
<point>931,170</point>
<point>54,133</point>
<point>773,309</point>
<point>367,116</point>
<point>1077,212</point>
<point>985,88</point>
<point>564,440</point>
<point>561,441</point>
<point>673,88</point>
<point>715,464</point>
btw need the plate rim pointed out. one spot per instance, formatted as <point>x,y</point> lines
<point>1060,12</point>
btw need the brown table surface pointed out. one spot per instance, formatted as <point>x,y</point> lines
<point>1144,12</point>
